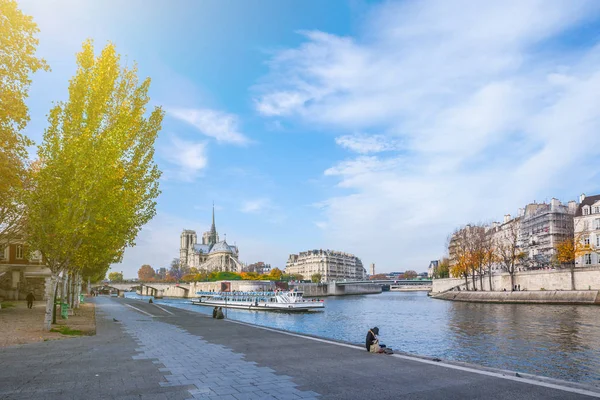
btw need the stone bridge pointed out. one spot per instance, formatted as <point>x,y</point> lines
<point>156,289</point>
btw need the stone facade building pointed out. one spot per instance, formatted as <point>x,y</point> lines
<point>332,265</point>
<point>21,271</point>
<point>542,227</point>
<point>587,230</point>
<point>211,254</point>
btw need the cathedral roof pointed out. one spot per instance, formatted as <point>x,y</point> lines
<point>204,248</point>
<point>222,247</point>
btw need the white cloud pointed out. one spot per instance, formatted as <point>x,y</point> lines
<point>189,156</point>
<point>222,126</point>
<point>364,144</point>
<point>489,109</point>
<point>255,206</point>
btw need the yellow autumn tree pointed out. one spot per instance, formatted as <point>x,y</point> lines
<point>568,250</point>
<point>97,181</point>
<point>18,43</point>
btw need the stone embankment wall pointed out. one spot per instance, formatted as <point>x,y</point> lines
<point>309,289</point>
<point>535,297</point>
<point>332,289</point>
<point>585,279</point>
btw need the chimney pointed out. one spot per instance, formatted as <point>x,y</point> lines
<point>521,212</point>
<point>572,207</point>
<point>554,203</point>
<point>506,218</point>
<point>581,198</point>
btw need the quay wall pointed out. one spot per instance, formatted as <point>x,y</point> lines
<point>585,279</point>
<point>534,297</point>
<point>309,289</point>
<point>333,289</point>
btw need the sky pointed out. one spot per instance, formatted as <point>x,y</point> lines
<point>370,127</point>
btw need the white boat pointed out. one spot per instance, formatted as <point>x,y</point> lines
<point>263,301</point>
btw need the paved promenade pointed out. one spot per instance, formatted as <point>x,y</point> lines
<point>146,351</point>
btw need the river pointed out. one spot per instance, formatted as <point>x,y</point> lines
<point>560,341</point>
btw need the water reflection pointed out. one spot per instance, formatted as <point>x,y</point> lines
<point>555,341</point>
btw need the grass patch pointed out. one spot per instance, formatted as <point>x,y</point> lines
<point>65,330</point>
<point>6,304</point>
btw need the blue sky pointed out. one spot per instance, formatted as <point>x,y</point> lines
<point>369,127</point>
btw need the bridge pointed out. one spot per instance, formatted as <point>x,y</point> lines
<point>158,290</point>
<point>400,282</point>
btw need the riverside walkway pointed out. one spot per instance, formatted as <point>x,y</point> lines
<point>147,351</point>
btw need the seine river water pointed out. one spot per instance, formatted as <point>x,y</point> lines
<point>555,341</point>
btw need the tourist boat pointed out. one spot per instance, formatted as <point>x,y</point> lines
<point>262,301</point>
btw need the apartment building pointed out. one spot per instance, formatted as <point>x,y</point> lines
<point>332,265</point>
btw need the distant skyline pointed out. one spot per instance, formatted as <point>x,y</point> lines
<point>369,127</point>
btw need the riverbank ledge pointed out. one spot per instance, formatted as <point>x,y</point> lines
<point>591,297</point>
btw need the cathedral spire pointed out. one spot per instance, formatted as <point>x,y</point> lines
<point>213,230</point>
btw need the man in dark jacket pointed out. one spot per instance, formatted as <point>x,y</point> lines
<point>372,337</point>
<point>30,298</point>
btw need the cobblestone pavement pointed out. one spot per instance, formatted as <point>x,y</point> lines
<point>209,371</point>
<point>149,352</point>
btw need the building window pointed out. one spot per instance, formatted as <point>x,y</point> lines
<point>586,240</point>
<point>596,210</point>
<point>586,210</point>
<point>587,259</point>
<point>19,254</point>
<point>597,223</point>
<point>598,240</point>
<point>4,253</point>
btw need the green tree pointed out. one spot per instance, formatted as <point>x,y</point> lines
<point>115,277</point>
<point>316,278</point>
<point>96,181</point>
<point>443,269</point>
<point>18,43</point>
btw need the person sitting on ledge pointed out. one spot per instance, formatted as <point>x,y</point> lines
<point>215,312</point>
<point>220,313</point>
<point>372,343</point>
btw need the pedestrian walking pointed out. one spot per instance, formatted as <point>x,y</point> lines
<point>30,298</point>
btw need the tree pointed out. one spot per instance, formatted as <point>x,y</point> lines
<point>489,256</point>
<point>18,43</point>
<point>443,269</point>
<point>378,277</point>
<point>146,273</point>
<point>96,182</point>
<point>115,277</point>
<point>410,274</point>
<point>508,250</point>
<point>316,278</point>
<point>458,248</point>
<point>275,274</point>
<point>568,250</point>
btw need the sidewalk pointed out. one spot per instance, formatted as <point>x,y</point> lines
<point>159,352</point>
<point>20,325</point>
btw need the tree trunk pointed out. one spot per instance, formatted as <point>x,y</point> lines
<point>573,277</point>
<point>474,281</point>
<point>63,294</point>
<point>481,279</point>
<point>512,280</point>
<point>466,281</point>
<point>78,290</point>
<point>68,289</point>
<point>490,277</point>
<point>51,286</point>
<point>54,303</point>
